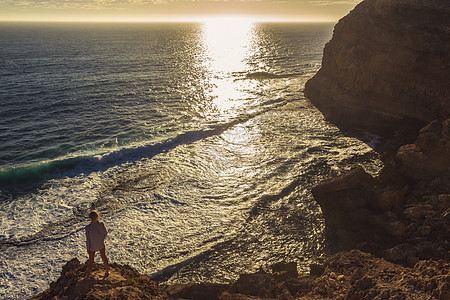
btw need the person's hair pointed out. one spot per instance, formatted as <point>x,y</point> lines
<point>94,215</point>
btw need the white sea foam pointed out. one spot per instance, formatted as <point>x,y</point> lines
<point>59,201</point>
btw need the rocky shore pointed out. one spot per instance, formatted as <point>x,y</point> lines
<point>346,275</point>
<point>402,215</point>
<point>387,66</point>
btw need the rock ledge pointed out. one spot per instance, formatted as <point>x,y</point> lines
<point>345,275</point>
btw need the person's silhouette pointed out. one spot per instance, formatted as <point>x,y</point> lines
<point>95,241</point>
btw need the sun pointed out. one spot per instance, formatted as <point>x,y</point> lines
<point>227,40</point>
<point>229,20</point>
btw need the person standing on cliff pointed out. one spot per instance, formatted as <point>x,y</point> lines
<point>95,241</point>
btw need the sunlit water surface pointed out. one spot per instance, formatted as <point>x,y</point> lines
<point>194,141</point>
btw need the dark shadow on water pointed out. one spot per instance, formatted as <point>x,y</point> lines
<point>386,138</point>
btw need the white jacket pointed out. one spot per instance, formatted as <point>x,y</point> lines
<point>95,236</point>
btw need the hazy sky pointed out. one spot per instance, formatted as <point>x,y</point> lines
<point>149,10</point>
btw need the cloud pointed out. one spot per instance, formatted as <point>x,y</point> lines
<point>109,3</point>
<point>50,3</point>
<point>333,2</point>
<point>85,4</point>
<point>306,8</point>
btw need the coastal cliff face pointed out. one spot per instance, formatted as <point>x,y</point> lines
<point>388,64</point>
<point>388,60</point>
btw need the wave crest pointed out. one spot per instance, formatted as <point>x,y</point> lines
<point>32,175</point>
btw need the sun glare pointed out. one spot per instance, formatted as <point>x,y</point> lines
<point>228,42</point>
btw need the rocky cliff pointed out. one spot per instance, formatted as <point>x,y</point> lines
<point>386,65</point>
<point>388,60</point>
<point>403,214</point>
<point>347,275</point>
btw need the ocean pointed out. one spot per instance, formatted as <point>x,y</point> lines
<point>193,141</point>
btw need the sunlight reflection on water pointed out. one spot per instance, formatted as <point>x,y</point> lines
<point>228,44</point>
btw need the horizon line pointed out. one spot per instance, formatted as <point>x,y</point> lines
<point>176,19</point>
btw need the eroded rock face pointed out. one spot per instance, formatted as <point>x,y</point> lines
<point>430,155</point>
<point>345,201</point>
<point>403,214</point>
<point>388,60</point>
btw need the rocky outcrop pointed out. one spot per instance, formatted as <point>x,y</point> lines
<point>345,275</point>
<point>403,214</point>
<point>123,282</point>
<point>358,275</point>
<point>388,60</point>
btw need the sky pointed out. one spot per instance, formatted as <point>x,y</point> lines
<point>173,10</point>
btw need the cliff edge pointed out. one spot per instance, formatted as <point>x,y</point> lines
<point>387,62</point>
<point>346,275</point>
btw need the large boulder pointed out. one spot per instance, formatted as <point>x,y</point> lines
<point>429,156</point>
<point>346,203</point>
<point>342,196</point>
<point>388,60</point>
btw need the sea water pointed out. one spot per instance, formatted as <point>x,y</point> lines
<point>194,141</point>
